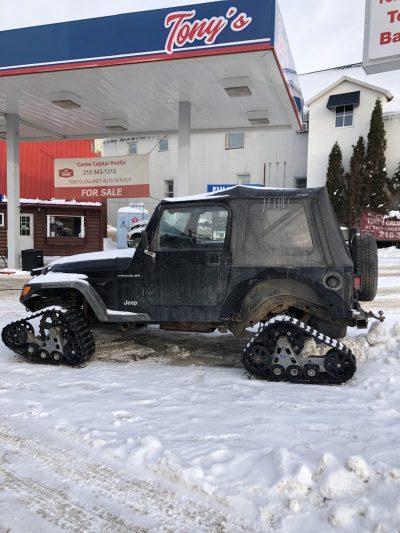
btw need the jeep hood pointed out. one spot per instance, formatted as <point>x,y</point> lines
<point>109,261</point>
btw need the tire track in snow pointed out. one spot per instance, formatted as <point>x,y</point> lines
<point>140,500</point>
<point>55,506</point>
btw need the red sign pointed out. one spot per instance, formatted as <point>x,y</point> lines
<point>98,194</point>
<point>66,173</point>
<point>383,228</point>
<point>185,28</point>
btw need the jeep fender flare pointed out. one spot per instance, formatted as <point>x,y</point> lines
<point>92,298</point>
<point>276,295</point>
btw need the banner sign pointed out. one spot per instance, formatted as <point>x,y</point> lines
<point>102,177</point>
<point>191,29</point>
<point>382,36</point>
<point>217,188</point>
<point>383,228</point>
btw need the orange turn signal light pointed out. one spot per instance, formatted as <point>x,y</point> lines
<point>26,290</point>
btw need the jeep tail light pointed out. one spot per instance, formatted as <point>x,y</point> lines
<point>357,283</point>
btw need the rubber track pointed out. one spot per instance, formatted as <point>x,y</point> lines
<point>74,322</point>
<point>324,378</point>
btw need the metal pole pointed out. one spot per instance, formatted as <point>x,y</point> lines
<point>185,111</point>
<point>13,190</point>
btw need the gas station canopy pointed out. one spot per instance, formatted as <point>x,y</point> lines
<point>80,77</point>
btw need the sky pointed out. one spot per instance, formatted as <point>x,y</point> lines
<point>324,33</point>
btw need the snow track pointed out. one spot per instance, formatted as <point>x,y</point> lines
<point>112,502</point>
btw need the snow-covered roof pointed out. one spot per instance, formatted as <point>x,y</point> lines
<point>343,79</point>
<point>54,201</point>
<point>313,83</point>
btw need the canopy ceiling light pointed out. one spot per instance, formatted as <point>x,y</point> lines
<point>66,100</point>
<point>237,87</point>
<point>258,118</point>
<point>116,125</point>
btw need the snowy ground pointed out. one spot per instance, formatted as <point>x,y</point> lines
<point>166,433</point>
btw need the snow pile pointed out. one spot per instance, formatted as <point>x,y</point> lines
<point>392,251</point>
<point>149,437</point>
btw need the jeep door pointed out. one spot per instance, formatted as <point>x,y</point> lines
<point>192,260</point>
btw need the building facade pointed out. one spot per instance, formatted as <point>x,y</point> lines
<point>342,113</point>
<point>275,157</point>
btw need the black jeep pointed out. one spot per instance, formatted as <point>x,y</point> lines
<point>228,260</point>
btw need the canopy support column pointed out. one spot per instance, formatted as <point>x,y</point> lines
<point>13,190</point>
<point>185,115</point>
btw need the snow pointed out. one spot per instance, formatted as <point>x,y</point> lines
<point>56,277</point>
<point>165,432</point>
<point>54,201</point>
<point>112,253</point>
<point>314,82</point>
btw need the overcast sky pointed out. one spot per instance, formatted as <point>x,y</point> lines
<point>324,33</point>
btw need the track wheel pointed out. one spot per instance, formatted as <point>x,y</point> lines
<point>15,335</point>
<point>277,372</point>
<point>294,372</point>
<point>341,367</point>
<point>275,331</point>
<point>311,372</point>
<point>257,361</point>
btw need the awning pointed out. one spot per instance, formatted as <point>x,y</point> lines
<point>337,100</point>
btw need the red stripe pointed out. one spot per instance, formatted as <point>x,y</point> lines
<point>97,194</point>
<point>139,59</point>
<point>288,90</point>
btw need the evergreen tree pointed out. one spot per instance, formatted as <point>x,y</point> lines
<point>394,184</point>
<point>394,188</point>
<point>335,181</point>
<point>375,197</point>
<point>355,180</point>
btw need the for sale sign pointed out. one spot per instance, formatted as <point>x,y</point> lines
<point>383,228</point>
<point>102,177</point>
<point>382,36</point>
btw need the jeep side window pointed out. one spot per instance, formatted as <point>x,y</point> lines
<point>277,230</point>
<point>194,227</point>
<point>279,227</point>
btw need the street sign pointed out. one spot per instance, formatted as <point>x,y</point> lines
<point>382,36</point>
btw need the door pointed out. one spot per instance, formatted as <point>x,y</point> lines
<point>26,231</point>
<point>192,260</point>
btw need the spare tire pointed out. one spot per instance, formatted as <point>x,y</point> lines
<point>365,256</point>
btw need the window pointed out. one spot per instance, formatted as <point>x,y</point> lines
<point>168,188</point>
<point>65,226</point>
<point>278,230</point>
<point>132,148</point>
<point>2,220</point>
<point>301,183</point>
<point>25,225</point>
<point>202,227</point>
<point>244,179</point>
<point>234,140</point>
<point>344,116</point>
<point>163,145</point>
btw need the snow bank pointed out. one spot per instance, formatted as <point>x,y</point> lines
<point>392,251</point>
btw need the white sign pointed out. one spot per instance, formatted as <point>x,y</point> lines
<point>100,178</point>
<point>382,36</point>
